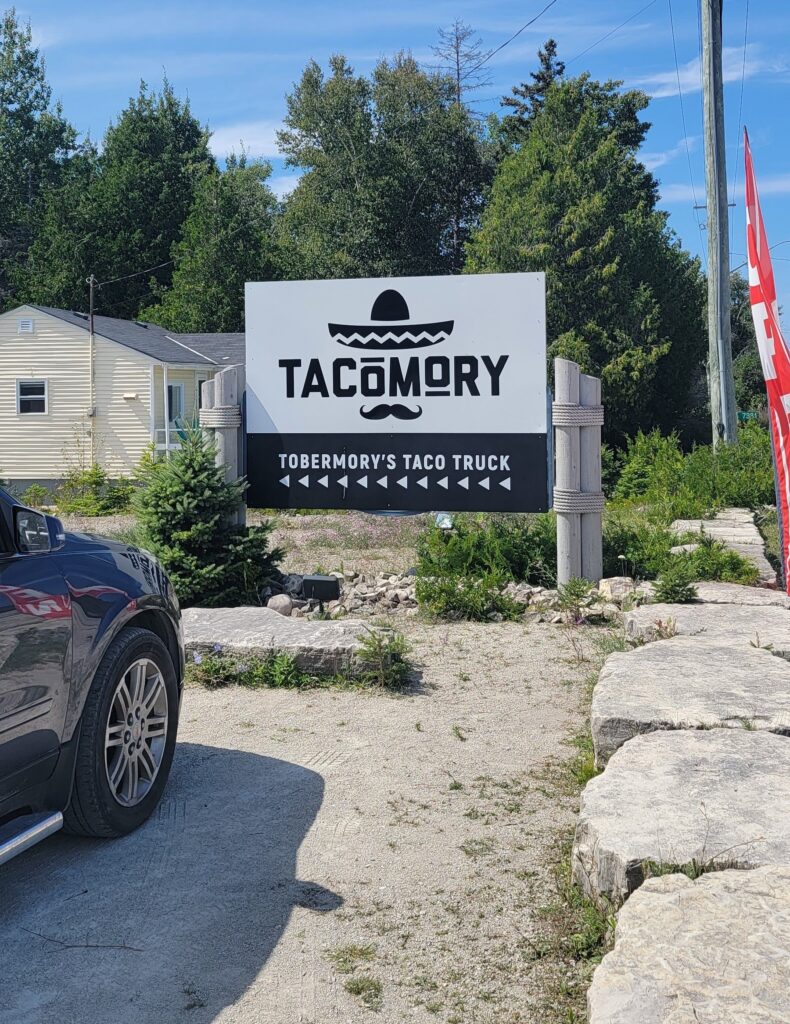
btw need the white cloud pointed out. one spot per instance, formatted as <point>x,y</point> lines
<point>771,185</point>
<point>665,83</point>
<point>283,184</point>
<point>653,161</point>
<point>256,138</point>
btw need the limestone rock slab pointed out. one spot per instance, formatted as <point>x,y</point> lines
<point>717,798</point>
<point>737,623</point>
<point>688,683</point>
<point>736,529</point>
<point>713,950</point>
<point>736,593</point>
<point>317,646</point>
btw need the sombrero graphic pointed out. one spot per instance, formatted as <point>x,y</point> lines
<point>390,328</point>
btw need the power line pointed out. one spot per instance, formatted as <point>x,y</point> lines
<point>685,131</point>
<point>515,35</point>
<point>610,33</point>
<point>137,273</point>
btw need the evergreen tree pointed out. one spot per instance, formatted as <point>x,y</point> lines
<point>395,177</point>
<point>35,143</point>
<point>122,210</point>
<point>185,508</point>
<point>528,97</point>
<point>624,299</point>
<point>227,240</point>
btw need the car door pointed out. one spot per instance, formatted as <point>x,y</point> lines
<point>35,655</point>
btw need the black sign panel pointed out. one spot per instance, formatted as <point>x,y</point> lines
<point>415,472</point>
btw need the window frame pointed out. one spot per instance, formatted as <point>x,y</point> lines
<point>32,398</point>
<point>173,420</point>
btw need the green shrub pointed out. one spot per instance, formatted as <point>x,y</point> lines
<point>657,475</point>
<point>713,561</point>
<point>276,669</point>
<point>36,496</point>
<point>185,508</point>
<point>383,660</point>
<point>572,597</point>
<point>90,492</point>
<point>513,547</point>
<point>675,584</point>
<point>455,596</point>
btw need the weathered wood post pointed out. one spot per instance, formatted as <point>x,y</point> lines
<point>577,415</point>
<point>221,416</point>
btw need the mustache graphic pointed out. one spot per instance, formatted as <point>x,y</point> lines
<point>381,412</point>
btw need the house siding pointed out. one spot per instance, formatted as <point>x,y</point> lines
<point>122,383</point>
<point>189,379</point>
<point>34,447</point>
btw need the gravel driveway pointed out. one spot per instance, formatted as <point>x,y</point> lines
<point>402,840</point>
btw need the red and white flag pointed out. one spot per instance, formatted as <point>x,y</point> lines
<point>774,353</point>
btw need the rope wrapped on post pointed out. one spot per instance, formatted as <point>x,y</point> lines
<point>221,417</point>
<point>565,415</point>
<point>581,502</point>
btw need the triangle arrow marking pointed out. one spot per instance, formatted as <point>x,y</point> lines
<point>505,483</point>
<point>363,481</point>
<point>304,481</point>
<point>464,483</point>
<point>485,483</point>
<point>442,482</point>
<point>343,481</point>
<point>324,481</point>
<point>382,482</point>
<point>286,481</point>
<point>404,481</point>
<point>423,482</point>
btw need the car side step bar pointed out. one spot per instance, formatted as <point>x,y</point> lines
<point>21,833</point>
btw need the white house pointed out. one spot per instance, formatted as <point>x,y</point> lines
<point>69,394</point>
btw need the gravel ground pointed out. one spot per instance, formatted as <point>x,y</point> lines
<point>302,834</point>
<point>356,540</point>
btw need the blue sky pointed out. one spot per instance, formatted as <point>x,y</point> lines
<point>236,61</point>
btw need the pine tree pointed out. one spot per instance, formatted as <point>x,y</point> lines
<point>461,56</point>
<point>528,98</point>
<point>35,143</point>
<point>124,210</point>
<point>185,509</point>
<point>227,240</point>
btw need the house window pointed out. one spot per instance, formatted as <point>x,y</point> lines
<point>200,382</point>
<point>31,396</point>
<point>175,402</point>
<point>26,325</point>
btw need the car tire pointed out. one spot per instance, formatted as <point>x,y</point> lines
<point>125,747</point>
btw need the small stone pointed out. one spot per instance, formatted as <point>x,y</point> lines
<point>683,549</point>
<point>280,603</point>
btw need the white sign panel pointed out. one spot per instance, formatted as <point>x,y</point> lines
<point>390,373</point>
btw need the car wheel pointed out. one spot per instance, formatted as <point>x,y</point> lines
<point>127,737</point>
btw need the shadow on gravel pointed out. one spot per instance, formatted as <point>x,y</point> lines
<point>173,922</point>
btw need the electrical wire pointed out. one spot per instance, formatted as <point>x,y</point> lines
<point>515,35</point>
<point>610,33</point>
<point>685,132</point>
<point>137,273</point>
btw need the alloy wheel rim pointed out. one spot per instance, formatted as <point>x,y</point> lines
<point>136,732</point>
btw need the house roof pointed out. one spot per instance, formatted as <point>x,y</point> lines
<point>157,343</point>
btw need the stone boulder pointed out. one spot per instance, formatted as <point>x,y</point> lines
<point>716,799</point>
<point>688,683</point>
<point>280,603</point>
<point>713,950</point>
<point>318,646</point>
<point>615,589</point>
<point>766,626</point>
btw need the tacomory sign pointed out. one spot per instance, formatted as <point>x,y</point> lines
<point>409,393</point>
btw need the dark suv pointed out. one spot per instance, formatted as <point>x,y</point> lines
<point>91,665</point>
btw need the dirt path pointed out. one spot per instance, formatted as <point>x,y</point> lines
<point>302,835</point>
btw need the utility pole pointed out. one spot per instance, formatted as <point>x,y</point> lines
<point>722,388</point>
<point>92,283</point>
